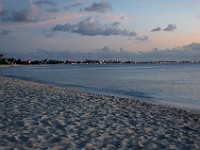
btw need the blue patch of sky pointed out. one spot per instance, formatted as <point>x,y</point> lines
<point>14,4</point>
<point>157,13</point>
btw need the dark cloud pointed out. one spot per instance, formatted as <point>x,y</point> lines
<point>28,14</point>
<point>64,28</point>
<point>101,7</point>
<point>104,49</point>
<point>92,27</point>
<point>104,53</point>
<point>45,2</point>
<point>156,29</point>
<point>122,17</point>
<point>1,8</point>
<point>53,9</point>
<point>75,3</point>
<point>116,24</point>
<point>170,27</point>
<point>188,52</point>
<point>144,38</point>
<point>192,47</point>
<point>5,32</point>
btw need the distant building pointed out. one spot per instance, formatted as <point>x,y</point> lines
<point>1,56</point>
<point>2,59</point>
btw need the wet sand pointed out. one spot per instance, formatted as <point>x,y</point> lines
<point>39,116</point>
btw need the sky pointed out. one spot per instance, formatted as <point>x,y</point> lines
<point>100,29</point>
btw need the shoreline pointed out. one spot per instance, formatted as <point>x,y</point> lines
<point>191,108</point>
<point>35,115</point>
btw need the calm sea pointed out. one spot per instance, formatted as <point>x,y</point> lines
<point>173,84</point>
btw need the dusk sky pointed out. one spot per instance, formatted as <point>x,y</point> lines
<point>137,29</point>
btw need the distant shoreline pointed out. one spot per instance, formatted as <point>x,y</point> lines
<point>13,61</point>
<point>98,62</point>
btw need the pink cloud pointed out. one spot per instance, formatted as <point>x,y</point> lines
<point>118,18</point>
<point>60,18</point>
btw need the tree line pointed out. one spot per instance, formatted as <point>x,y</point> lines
<point>13,61</point>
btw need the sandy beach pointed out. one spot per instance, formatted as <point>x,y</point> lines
<point>39,116</point>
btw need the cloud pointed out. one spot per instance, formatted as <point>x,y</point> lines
<point>1,8</point>
<point>28,14</point>
<point>45,2</point>
<point>92,27</point>
<point>5,32</point>
<point>122,17</point>
<point>192,47</point>
<point>60,17</point>
<point>53,9</point>
<point>75,3</point>
<point>144,38</point>
<point>189,52</point>
<point>156,29</point>
<point>170,27</point>
<point>104,49</point>
<point>100,7</point>
<point>104,53</point>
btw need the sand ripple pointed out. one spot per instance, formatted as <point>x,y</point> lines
<point>38,116</point>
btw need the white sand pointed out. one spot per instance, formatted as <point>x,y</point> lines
<point>38,116</point>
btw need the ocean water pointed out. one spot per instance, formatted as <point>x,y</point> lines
<point>171,84</point>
